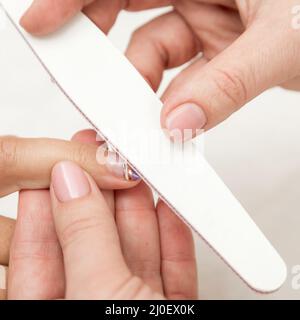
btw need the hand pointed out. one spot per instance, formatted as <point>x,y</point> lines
<point>248,46</point>
<point>78,243</point>
<point>27,164</point>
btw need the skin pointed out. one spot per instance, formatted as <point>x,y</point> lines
<point>6,230</point>
<point>26,164</point>
<point>242,57</point>
<point>140,250</point>
<point>248,46</point>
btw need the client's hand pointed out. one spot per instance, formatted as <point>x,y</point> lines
<point>80,243</point>
<point>27,164</point>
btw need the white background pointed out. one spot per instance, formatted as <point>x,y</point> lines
<point>256,152</point>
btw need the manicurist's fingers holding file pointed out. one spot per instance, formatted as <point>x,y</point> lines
<point>247,46</point>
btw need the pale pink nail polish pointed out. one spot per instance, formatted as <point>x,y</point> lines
<point>188,116</point>
<point>69,181</point>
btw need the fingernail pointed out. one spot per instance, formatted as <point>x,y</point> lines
<point>119,167</point>
<point>2,278</point>
<point>188,116</point>
<point>69,181</point>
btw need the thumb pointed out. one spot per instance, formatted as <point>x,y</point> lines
<point>203,95</point>
<point>87,232</point>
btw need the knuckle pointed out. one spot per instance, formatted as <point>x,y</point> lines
<point>231,85</point>
<point>8,153</point>
<point>36,250</point>
<point>76,229</point>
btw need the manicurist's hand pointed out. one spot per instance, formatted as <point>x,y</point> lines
<point>248,46</point>
<point>27,164</point>
<point>78,242</point>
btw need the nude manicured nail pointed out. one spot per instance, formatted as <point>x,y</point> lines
<point>118,167</point>
<point>188,116</point>
<point>69,181</point>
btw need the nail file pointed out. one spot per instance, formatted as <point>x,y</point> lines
<point>111,94</point>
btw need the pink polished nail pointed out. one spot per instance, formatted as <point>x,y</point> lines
<point>188,116</point>
<point>69,181</point>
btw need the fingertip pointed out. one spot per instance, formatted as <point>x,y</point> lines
<point>170,221</point>
<point>27,24</point>
<point>46,16</point>
<point>88,136</point>
<point>31,22</point>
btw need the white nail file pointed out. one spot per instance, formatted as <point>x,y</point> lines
<point>111,94</point>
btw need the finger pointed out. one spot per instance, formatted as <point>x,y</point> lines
<point>201,97</point>
<point>155,47</point>
<point>222,3</point>
<point>36,267</point>
<point>45,16</point>
<point>3,283</point>
<point>40,238</point>
<point>136,5</point>
<point>104,13</point>
<point>87,233</point>
<point>90,136</point>
<point>27,163</point>
<point>179,271</point>
<point>7,227</point>
<point>138,230</point>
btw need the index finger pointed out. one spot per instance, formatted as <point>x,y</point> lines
<point>27,163</point>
